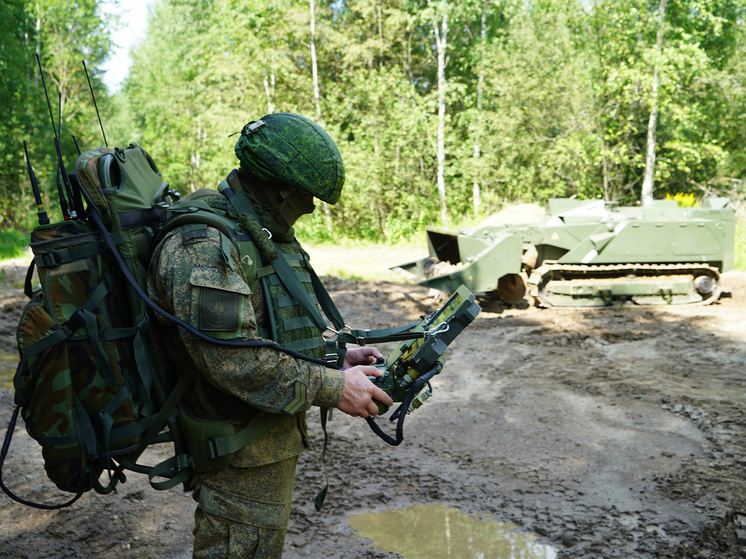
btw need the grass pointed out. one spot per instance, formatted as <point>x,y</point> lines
<point>364,260</point>
<point>13,243</point>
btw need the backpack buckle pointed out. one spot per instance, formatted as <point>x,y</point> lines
<point>184,461</point>
<point>212,448</point>
<point>74,322</point>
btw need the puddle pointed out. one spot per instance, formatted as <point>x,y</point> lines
<point>437,531</point>
<point>8,364</point>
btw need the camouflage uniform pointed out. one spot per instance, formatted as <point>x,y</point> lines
<point>243,510</point>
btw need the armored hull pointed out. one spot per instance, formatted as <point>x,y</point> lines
<point>589,253</point>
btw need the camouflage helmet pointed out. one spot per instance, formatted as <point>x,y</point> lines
<point>293,150</point>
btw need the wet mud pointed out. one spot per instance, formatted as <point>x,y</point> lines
<point>611,433</point>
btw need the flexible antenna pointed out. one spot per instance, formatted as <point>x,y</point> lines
<point>101,124</point>
<point>43,219</point>
<point>67,183</point>
<point>60,164</point>
<point>76,145</point>
<point>46,94</point>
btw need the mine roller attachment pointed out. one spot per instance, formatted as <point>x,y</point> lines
<point>566,285</point>
<point>511,288</point>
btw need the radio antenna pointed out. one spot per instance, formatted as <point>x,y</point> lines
<point>60,164</point>
<point>67,183</point>
<point>101,124</point>
<point>43,219</point>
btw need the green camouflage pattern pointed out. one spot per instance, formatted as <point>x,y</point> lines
<point>79,386</point>
<point>86,167</point>
<point>242,382</point>
<point>243,512</point>
<point>243,509</point>
<point>293,150</point>
<point>72,228</point>
<point>62,388</point>
<point>293,329</point>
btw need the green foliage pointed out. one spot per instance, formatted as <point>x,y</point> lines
<point>740,255</point>
<point>63,33</point>
<point>13,243</point>
<point>554,100</point>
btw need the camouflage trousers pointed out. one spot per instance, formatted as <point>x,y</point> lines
<point>243,512</point>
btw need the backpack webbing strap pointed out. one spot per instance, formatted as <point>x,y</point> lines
<point>145,373</point>
<point>168,407</point>
<point>174,469</point>
<point>69,254</point>
<point>68,328</point>
<point>318,502</point>
<point>28,289</point>
<point>243,206</point>
<point>227,445</point>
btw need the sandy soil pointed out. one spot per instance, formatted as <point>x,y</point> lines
<point>611,433</point>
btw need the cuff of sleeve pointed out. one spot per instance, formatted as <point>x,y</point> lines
<point>332,384</point>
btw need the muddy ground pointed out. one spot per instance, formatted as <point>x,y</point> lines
<point>611,433</point>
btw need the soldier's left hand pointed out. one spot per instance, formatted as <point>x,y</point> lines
<point>361,356</point>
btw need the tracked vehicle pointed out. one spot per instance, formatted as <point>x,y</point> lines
<point>589,253</point>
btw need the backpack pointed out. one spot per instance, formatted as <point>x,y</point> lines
<point>85,384</point>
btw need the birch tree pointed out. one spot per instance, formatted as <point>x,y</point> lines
<point>314,66</point>
<point>647,183</point>
<point>440,31</point>
<point>476,191</point>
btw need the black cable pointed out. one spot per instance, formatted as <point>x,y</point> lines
<point>8,492</point>
<point>401,412</point>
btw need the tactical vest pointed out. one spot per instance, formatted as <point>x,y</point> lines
<point>288,324</point>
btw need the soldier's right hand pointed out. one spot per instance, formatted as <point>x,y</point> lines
<point>359,392</point>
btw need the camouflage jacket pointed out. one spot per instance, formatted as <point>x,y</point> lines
<point>188,276</point>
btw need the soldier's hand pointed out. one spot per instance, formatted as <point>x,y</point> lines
<point>359,392</point>
<point>361,356</point>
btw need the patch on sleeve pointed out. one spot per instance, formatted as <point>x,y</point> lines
<point>219,311</point>
<point>299,399</point>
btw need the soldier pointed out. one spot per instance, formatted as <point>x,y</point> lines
<point>204,279</point>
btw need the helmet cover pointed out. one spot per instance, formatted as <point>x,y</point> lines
<point>293,150</point>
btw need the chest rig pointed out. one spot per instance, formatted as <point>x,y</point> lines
<point>290,294</point>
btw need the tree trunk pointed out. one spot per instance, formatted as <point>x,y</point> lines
<point>647,183</point>
<point>316,96</point>
<point>477,194</point>
<point>314,68</point>
<point>441,41</point>
<point>605,165</point>
<point>269,90</point>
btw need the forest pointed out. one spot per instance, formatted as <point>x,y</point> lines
<point>445,111</point>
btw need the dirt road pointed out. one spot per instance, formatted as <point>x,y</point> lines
<point>610,433</point>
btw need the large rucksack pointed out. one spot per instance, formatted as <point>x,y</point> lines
<point>85,384</point>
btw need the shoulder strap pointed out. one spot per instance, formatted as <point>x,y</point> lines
<point>231,189</point>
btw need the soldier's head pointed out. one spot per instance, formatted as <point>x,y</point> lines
<point>288,160</point>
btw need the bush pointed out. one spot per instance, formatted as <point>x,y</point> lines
<point>740,249</point>
<point>13,243</point>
